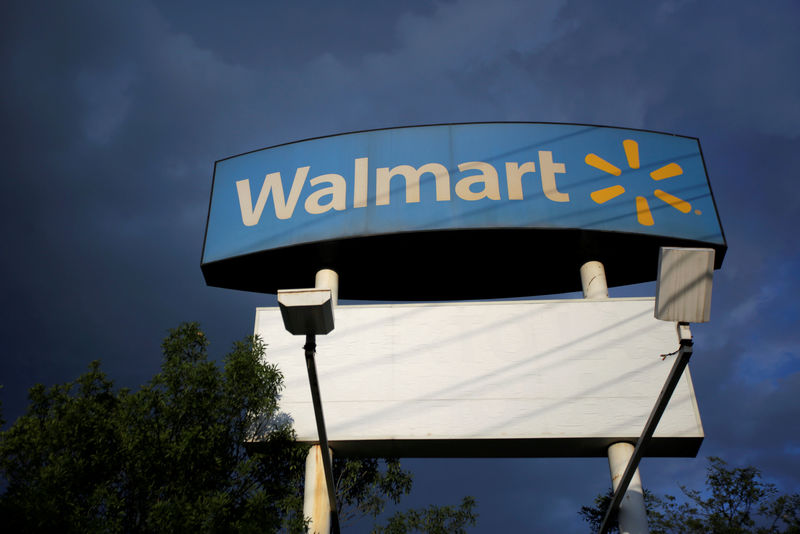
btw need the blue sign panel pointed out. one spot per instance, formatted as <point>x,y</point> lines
<point>307,201</point>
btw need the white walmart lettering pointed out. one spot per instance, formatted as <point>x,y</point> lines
<point>485,184</point>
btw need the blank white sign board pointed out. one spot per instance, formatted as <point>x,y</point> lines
<point>487,379</point>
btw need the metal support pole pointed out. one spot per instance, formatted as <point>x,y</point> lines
<point>681,360</point>
<point>632,517</point>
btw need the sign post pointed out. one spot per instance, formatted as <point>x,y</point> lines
<point>632,516</point>
<point>683,294</point>
<point>310,312</point>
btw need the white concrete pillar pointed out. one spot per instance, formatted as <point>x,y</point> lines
<point>593,280</point>
<point>316,504</point>
<point>327,279</point>
<point>632,517</point>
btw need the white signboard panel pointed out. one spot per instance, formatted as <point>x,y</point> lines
<point>523,379</point>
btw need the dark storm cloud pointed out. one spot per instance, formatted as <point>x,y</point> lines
<point>262,35</point>
<point>106,186</point>
<point>113,116</point>
<point>723,75</point>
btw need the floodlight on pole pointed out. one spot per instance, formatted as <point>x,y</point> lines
<point>683,294</point>
<point>306,311</point>
<point>309,312</point>
<point>683,286</point>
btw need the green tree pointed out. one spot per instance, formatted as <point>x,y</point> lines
<point>365,485</point>
<point>434,519</point>
<point>177,455</point>
<point>594,514</point>
<point>734,501</point>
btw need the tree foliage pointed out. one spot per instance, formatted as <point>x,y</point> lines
<point>734,501</point>
<point>364,486</point>
<point>168,457</point>
<point>176,455</point>
<point>594,514</point>
<point>434,519</point>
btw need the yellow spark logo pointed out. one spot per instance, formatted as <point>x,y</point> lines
<point>643,214</point>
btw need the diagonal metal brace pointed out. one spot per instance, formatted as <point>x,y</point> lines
<point>310,349</point>
<point>684,353</point>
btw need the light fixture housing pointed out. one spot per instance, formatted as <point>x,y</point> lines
<point>683,286</point>
<point>306,311</point>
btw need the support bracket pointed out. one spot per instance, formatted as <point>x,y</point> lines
<point>682,359</point>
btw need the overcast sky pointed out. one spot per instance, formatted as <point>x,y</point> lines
<point>113,114</point>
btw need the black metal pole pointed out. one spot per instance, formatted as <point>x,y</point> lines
<point>310,349</point>
<point>684,353</point>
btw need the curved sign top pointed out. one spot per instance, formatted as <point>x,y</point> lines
<point>423,204</point>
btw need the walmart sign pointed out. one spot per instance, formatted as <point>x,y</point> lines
<point>308,201</point>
